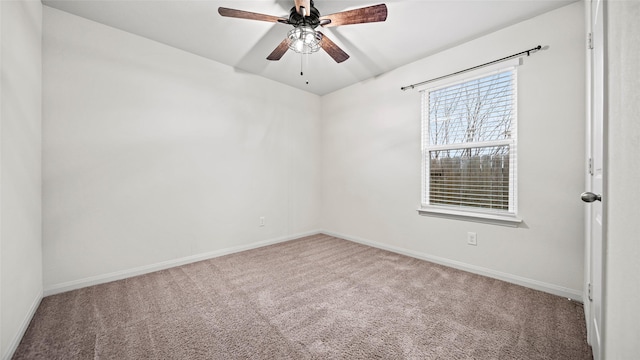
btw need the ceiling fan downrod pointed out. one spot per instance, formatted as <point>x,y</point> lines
<point>308,17</point>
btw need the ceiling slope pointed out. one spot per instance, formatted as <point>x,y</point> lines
<point>413,30</point>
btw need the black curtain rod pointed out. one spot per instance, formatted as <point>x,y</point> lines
<point>528,52</point>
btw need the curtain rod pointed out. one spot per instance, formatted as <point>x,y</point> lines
<point>528,52</point>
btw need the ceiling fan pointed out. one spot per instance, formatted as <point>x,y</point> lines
<point>305,18</point>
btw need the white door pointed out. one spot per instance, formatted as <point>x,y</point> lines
<point>593,304</point>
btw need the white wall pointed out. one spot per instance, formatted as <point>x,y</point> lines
<point>371,159</point>
<point>622,194</point>
<point>20,169</point>
<point>152,154</point>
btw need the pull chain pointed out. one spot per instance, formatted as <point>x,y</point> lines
<point>304,62</point>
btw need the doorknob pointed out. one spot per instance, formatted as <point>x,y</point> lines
<point>590,197</point>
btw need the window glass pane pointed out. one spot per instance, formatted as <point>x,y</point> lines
<point>473,177</point>
<point>474,111</point>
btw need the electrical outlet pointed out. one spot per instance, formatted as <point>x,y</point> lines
<point>472,238</point>
<point>261,220</point>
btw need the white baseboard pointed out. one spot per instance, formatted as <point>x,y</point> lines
<point>13,345</point>
<point>514,279</point>
<point>101,279</point>
<point>123,274</point>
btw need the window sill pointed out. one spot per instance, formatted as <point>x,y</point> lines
<point>494,219</point>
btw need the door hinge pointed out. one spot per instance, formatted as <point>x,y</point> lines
<point>590,166</point>
<point>589,292</point>
<point>590,41</point>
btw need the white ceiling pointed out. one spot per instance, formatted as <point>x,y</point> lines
<point>414,29</point>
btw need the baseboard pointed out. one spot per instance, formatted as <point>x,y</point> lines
<point>572,294</point>
<point>119,275</point>
<point>13,345</point>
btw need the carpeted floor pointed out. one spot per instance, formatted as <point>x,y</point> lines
<point>318,297</point>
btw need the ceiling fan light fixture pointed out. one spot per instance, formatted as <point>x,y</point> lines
<point>303,40</point>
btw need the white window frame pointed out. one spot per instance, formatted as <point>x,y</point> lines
<point>507,218</point>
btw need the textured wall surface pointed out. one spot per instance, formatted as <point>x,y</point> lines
<point>622,318</point>
<point>371,158</point>
<point>152,154</point>
<point>20,168</point>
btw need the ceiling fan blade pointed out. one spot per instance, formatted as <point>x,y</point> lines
<point>241,14</point>
<point>332,49</point>
<point>367,14</point>
<point>279,51</point>
<point>306,4</point>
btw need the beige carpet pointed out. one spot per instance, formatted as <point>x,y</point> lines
<point>314,298</point>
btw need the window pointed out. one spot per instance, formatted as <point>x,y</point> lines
<point>469,148</point>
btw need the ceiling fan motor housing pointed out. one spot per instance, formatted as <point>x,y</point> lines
<point>312,20</point>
